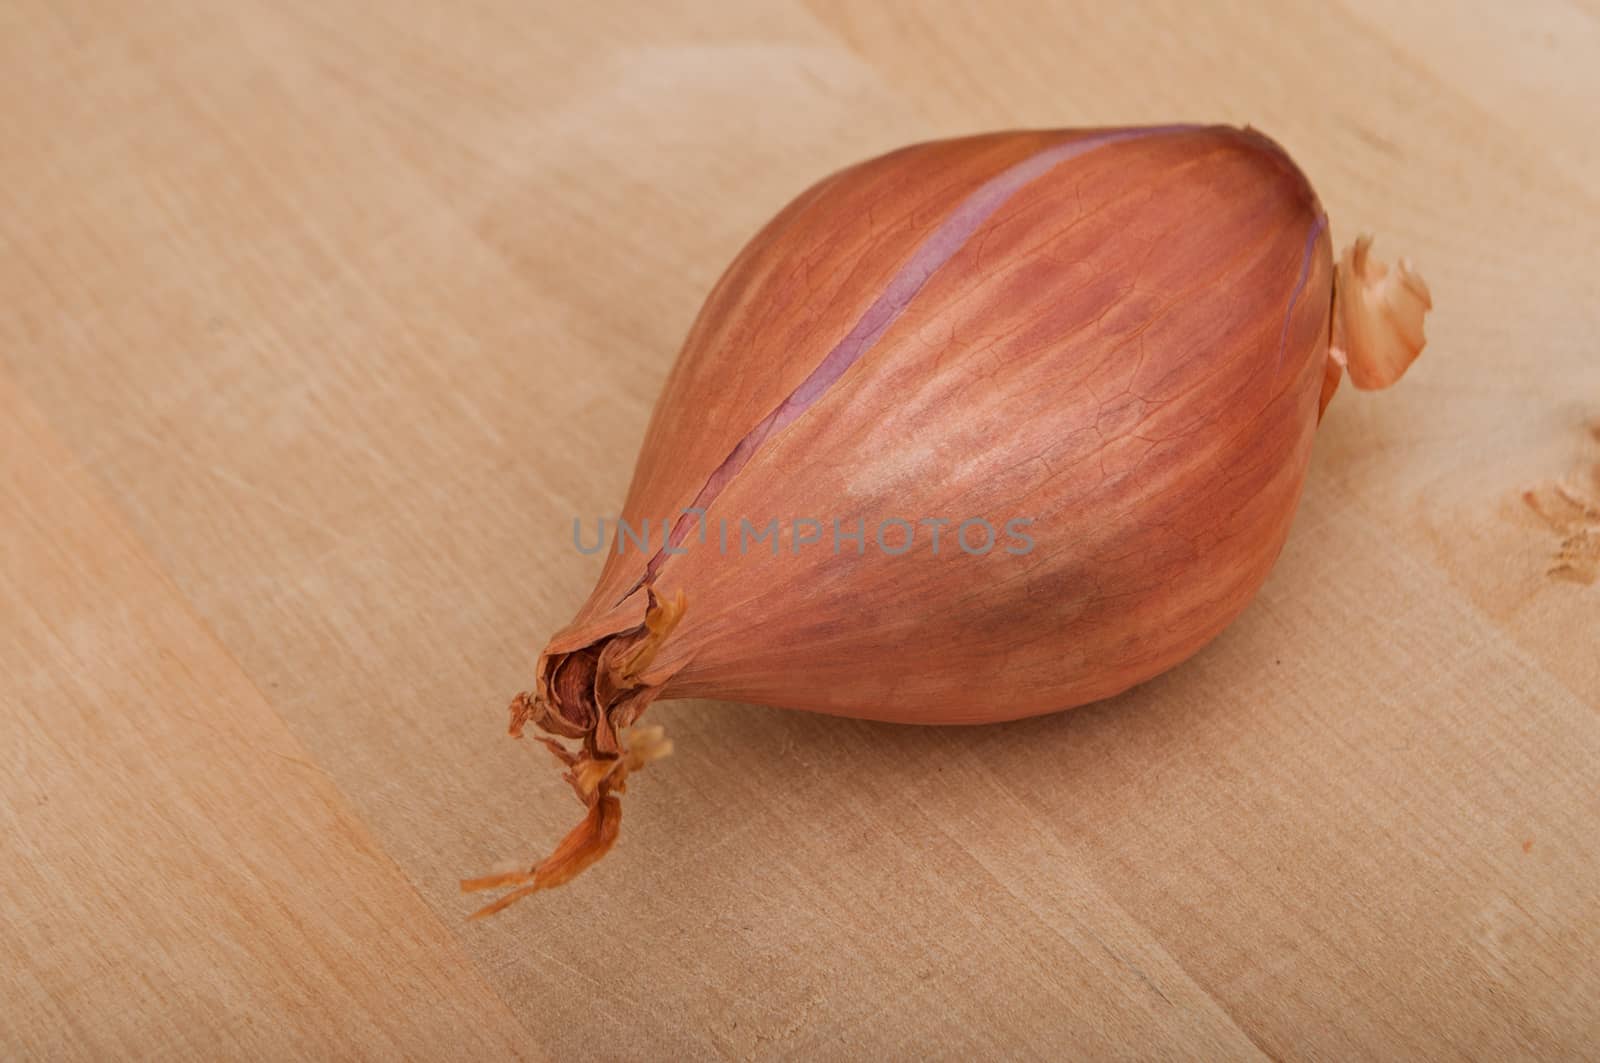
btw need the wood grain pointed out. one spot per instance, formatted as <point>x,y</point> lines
<point>320,321</point>
<point>181,879</point>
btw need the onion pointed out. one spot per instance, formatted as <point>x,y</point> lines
<point>976,430</point>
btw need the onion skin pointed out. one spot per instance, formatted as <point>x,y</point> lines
<point>1123,335</point>
<point>1160,453</point>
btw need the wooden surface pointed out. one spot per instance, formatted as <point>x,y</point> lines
<point>319,322</point>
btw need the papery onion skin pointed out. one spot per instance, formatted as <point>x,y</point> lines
<point>1103,356</point>
<point>1130,347</point>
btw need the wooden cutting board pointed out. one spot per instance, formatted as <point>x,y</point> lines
<point>320,320</point>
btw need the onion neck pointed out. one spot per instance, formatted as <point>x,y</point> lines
<point>593,693</point>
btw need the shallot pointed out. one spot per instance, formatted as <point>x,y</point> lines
<point>975,430</point>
